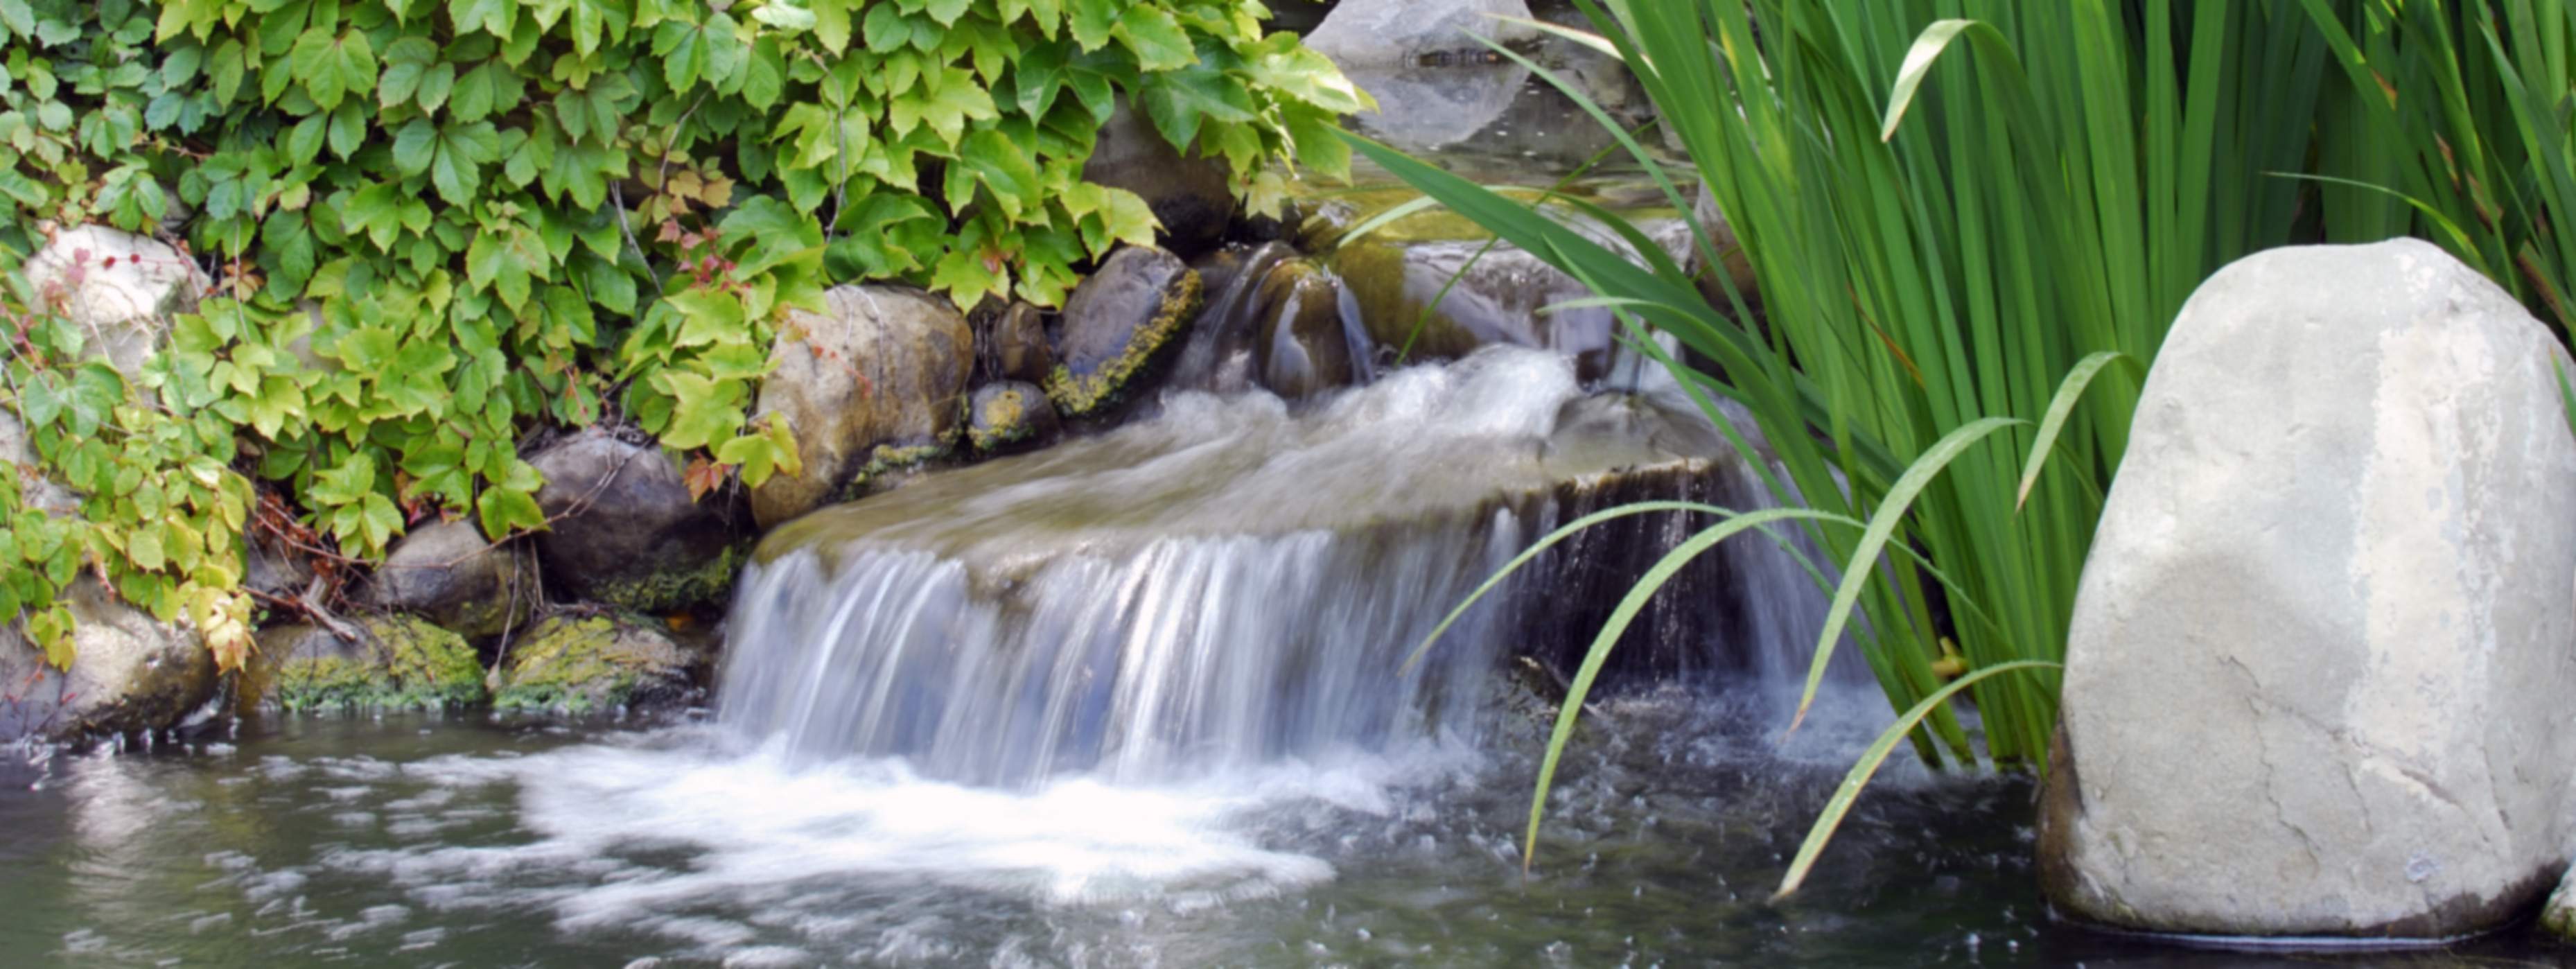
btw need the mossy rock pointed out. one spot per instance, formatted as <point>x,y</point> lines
<point>1009,416</point>
<point>1117,325</point>
<point>626,530</point>
<point>673,584</point>
<point>585,664</point>
<point>395,663</point>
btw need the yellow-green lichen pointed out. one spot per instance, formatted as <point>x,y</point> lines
<point>405,664</point>
<point>887,459</point>
<point>578,665</point>
<point>677,586</point>
<point>1080,395</point>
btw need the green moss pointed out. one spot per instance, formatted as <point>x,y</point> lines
<point>406,664</point>
<point>675,587</point>
<point>1076,396</point>
<point>578,665</point>
<point>888,459</point>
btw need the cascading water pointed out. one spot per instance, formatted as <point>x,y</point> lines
<point>1235,584</point>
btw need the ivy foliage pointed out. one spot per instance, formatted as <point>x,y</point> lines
<point>435,225</point>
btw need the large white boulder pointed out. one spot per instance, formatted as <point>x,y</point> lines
<point>1400,33</point>
<point>119,288</point>
<point>2317,679</point>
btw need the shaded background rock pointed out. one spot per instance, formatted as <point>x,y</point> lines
<point>2342,544</point>
<point>877,383</point>
<point>447,573</point>
<point>1115,327</point>
<point>576,664</point>
<point>1014,346</point>
<point>1192,196</point>
<point>128,674</point>
<point>118,287</point>
<point>625,530</point>
<point>391,662</point>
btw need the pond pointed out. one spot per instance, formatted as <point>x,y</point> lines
<point>466,841</point>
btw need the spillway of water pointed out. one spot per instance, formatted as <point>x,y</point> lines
<point>1231,584</point>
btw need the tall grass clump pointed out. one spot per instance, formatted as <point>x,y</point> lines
<point>1970,222</point>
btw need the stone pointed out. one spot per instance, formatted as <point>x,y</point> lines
<point>2317,673</point>
<point>1304,349</point>
<point>446,573</point>
<point>1191,195</point>
<point>1397,271</point>
<point>1115,326</point>
<point>1015,347</point>
<point>625,530</point>
<point>1010,416</point>
<point>39,491</point>
<point>129,674</point>
<point>876,384</point>
<point>1391,33</point>
<point>1730,253</point>
<point>576,665</point>
<point>1216,356</point>
<point>118,287</point>
<point>392,662</point>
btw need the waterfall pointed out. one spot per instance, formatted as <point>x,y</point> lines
<point>1235,582</point>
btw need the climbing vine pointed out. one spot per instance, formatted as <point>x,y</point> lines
<point>432,226</point>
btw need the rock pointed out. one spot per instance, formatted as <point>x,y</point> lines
<point>1114,326</point>
<point>2558,917</point>
<point>1395,272</point>
<point>625,529</point>
<point>40,491</point>
<point>120,288</point>
<point>2317,675</point>
<point>393,663</point>
<point>128,674</point>
<point>1192,196</point>
<point>1010,416</point>
<point>1304,349</point>
<point>274,569</point>
<point>1730,251</point>
<point>1015,348</point>
<point>1216,356</point>
<point>446,573</point>
<point>578,665</point>
<point>876,384</point>
<point>1389,33</point>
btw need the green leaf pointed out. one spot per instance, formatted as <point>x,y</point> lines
<point>1002,168</point>
<point>954,97</point>
<point>1156,38</point>
<point>1178,101</point>
<point>506,511</point>
<point>705,410</point>
<point>494,17</point>
<point>2064,404</point>
<point>333,67</point>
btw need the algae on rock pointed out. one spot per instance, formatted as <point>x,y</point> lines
<point>578,664</point>
<point>397,662</point>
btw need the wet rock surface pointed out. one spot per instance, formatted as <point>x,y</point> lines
<point>1116,327</point>
<point>448,573</point>
<point>626,531</point>
<point>588,664</point>
<point>382,664</point>
<point>2343,540</point>
<point>876,384</point>
<point>1305,347</point>
<point>1394,33</point>
<point>128,674</point>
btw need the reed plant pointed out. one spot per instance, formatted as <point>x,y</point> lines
<point>1970,223</point>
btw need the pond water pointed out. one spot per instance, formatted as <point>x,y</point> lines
<point>468,842</point>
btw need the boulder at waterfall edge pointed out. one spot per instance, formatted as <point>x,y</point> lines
<point>120,288</point>
<point>447,573</point>
<point>1013,345</point>
<point>1498,296</point>
<point>1117,325</point>
<point>585,664</point>
<point>371,664</point>
<point>2317,676</point>
<point>1396,33</point>
<point>1010,416</point>
<point>1191,196</point>
<point>626,532</point>
<point>1303,350</point>
<point>875,384</point>
<point>128,674</point>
